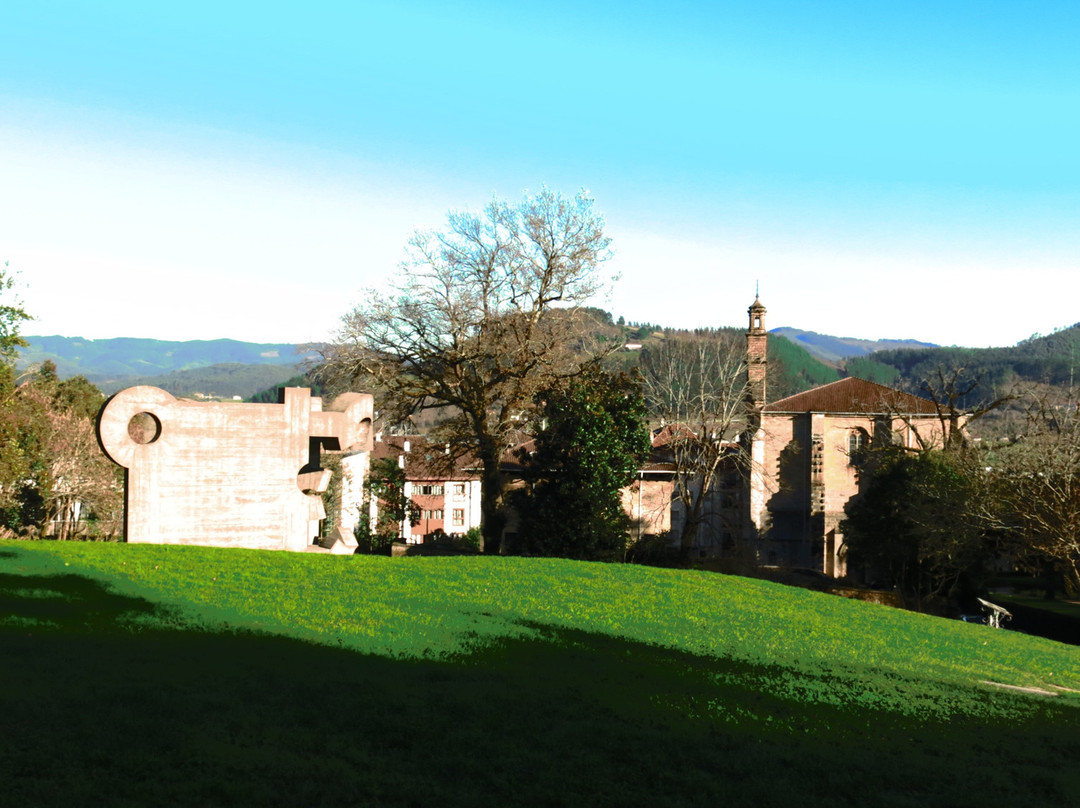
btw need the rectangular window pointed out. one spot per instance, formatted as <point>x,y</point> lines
<point>435,513</point>
<point>430,490</point>
<point>459,517</point>
<point>459,490</point>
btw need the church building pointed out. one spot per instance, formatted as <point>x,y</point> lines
<point>805,456</point>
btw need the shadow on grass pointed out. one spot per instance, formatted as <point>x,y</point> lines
<point>67,601</point>
<point>1043,623</point>
<point>104,703</point>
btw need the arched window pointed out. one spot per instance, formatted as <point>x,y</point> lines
<point>858,443</point>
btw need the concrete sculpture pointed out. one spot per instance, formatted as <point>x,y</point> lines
<point>230,474</point>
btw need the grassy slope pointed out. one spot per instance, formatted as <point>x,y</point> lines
<point>195,675</point>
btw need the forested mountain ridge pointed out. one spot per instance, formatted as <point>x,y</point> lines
<point>1053,359</point>
<point>833,350</point>
<point>227,368</point>
<point>228,380</point>
<point>791,369</point>
<point>221,368</point>
<point>106,359</point>
<point>798,360</point>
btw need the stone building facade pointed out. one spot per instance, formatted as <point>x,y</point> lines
<point>445,490</point>
<point>806,453</point>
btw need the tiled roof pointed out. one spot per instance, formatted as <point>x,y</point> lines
<point>426,460</point>
<point>853,395</point>
<point>670,434</point>
<point>430,460</point>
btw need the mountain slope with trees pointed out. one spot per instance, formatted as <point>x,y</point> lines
<point>1052,360</point>
<point>835,350</point>
<point>792,369</point>
<point>108,359</point>
<point>214,381</point>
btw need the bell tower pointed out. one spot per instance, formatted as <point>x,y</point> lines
<point>757,339</point>
<point>757,343</point>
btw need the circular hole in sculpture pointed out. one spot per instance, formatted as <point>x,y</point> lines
<point>144,428</point>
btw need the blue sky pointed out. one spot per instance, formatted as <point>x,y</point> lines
<point>246,170</point>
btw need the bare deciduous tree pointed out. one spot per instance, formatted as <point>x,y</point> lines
<point>1040,486</point>
<point>951,391</point>
<point>481,316</point>
<point>697,387</point>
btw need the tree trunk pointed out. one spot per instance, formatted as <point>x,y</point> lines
<point>691,525</point>
<point>492,516</point>
<point>1049,580</point>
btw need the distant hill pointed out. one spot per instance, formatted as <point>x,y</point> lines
<point>214,381</point>
<point>835,349</point>
<point>792,368</point>
<point>102,359</point>
<point>222,368</point>
<point>798,360</point>
<point>1049,360</point>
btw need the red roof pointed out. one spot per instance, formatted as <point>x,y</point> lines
<point>431,460</point>
<point>852,395</point>
<point>672,433</point>
<point>426,460</point>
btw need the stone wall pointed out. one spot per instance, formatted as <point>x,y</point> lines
<point>228,474</point>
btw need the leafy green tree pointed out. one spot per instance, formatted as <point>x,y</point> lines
<point>384,485</point>
<point>594,439</point>
<point>14,466</point>
<point>13,461</point>
<point>925,522</point>
<point>65,477</point>
<point>12,316</point>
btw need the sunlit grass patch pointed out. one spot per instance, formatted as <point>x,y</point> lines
<point>438,607</point>
<point>453,661</point>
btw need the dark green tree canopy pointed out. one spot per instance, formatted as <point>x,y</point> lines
<point>593,441</point>
<point>912,524</point>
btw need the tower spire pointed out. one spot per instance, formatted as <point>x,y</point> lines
<point>757,343</point>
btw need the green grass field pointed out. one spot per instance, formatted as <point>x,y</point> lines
<point>152,675</point>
